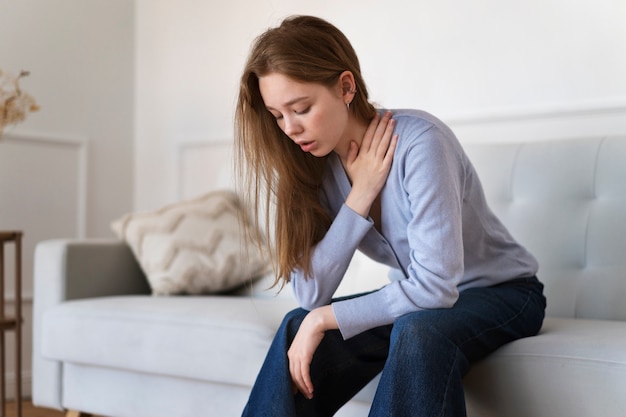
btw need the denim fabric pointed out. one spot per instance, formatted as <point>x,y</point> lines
<point>423,356</point>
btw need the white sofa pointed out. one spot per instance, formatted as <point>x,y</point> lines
<point>103,345</point>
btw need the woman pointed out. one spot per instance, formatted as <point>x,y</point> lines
<point>339,176</point>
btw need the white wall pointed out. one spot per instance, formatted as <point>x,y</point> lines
<point>81,57</point>
<point>67,170</point>
<point>531,67</point>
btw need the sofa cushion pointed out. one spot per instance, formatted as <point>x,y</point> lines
<point>561,367</point>
<point>183,336</point>
<point>565,201</point>
<point>196,246</point>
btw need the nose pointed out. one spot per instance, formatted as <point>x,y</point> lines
<point>291,126</point>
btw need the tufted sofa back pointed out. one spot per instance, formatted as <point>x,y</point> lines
<point>565,200</point>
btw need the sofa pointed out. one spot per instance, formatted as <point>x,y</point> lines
<point>104,345</point>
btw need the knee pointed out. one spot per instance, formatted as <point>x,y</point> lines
<point>297,314</point>
<point>414,324</point>
<point>292,320</point>
<point>423,338</point>
<point>421,330</point>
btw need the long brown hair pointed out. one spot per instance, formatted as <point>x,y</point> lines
<point>274,172</point>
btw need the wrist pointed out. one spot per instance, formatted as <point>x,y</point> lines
<point>324,318</point>
<point>359,203</point>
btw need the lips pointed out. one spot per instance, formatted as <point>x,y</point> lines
<point>307,146</point>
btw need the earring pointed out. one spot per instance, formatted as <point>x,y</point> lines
<point>351,92</point>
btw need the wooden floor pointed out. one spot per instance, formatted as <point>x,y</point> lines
<point>29,410</point>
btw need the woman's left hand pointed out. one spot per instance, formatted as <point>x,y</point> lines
<point>368,165</point>
<point>304,345</point>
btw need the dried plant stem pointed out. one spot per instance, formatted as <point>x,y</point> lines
<point>14,103</point>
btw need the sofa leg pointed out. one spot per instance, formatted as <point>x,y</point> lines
<point>74,413</point>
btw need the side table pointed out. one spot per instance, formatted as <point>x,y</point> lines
<point>11,322</point>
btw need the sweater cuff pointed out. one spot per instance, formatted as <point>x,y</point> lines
<point>356,315</point>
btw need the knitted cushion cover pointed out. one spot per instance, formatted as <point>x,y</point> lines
<point>196,246</point>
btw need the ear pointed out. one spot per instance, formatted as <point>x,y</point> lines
<point>347,86</point>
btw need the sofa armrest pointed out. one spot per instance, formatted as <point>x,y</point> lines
<point>73,269</point>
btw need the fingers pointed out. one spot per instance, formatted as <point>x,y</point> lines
<point>301,377</point>
<point>370,132</point>
<point>385,137</point>
<point>384,129</point>
<point>391,150</point>
<point>378,132</point>
<point>307,385</point>
<point>353,151</point>
<point>301,351</point>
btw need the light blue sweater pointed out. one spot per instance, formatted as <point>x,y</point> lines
<point>438,234</point>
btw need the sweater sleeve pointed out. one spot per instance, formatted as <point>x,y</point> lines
<point>431,177</point>
<point>330,259</point>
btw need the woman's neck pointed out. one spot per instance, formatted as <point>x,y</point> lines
<point>354,133</point>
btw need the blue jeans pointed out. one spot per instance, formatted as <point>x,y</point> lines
<point>423,356</point>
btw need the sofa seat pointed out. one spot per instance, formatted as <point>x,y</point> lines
<point>558,372</point>
<point>172,336</point>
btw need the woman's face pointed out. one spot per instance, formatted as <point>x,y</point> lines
<point>314,116</point>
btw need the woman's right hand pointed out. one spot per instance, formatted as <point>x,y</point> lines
<point>368,165</point>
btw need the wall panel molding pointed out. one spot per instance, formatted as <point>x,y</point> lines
<point>542,112</point>
<point>78,144</point>
<point>545,122</point>
<point>202,166</point>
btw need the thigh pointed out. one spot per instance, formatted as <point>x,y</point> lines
<point>484,319</point>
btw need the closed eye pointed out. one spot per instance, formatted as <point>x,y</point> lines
<point>279,116</point>
<point>276,116</point>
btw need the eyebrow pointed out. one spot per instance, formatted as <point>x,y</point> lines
<point>290,102</point>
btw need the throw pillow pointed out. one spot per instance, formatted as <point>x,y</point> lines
<point>197,246</point>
